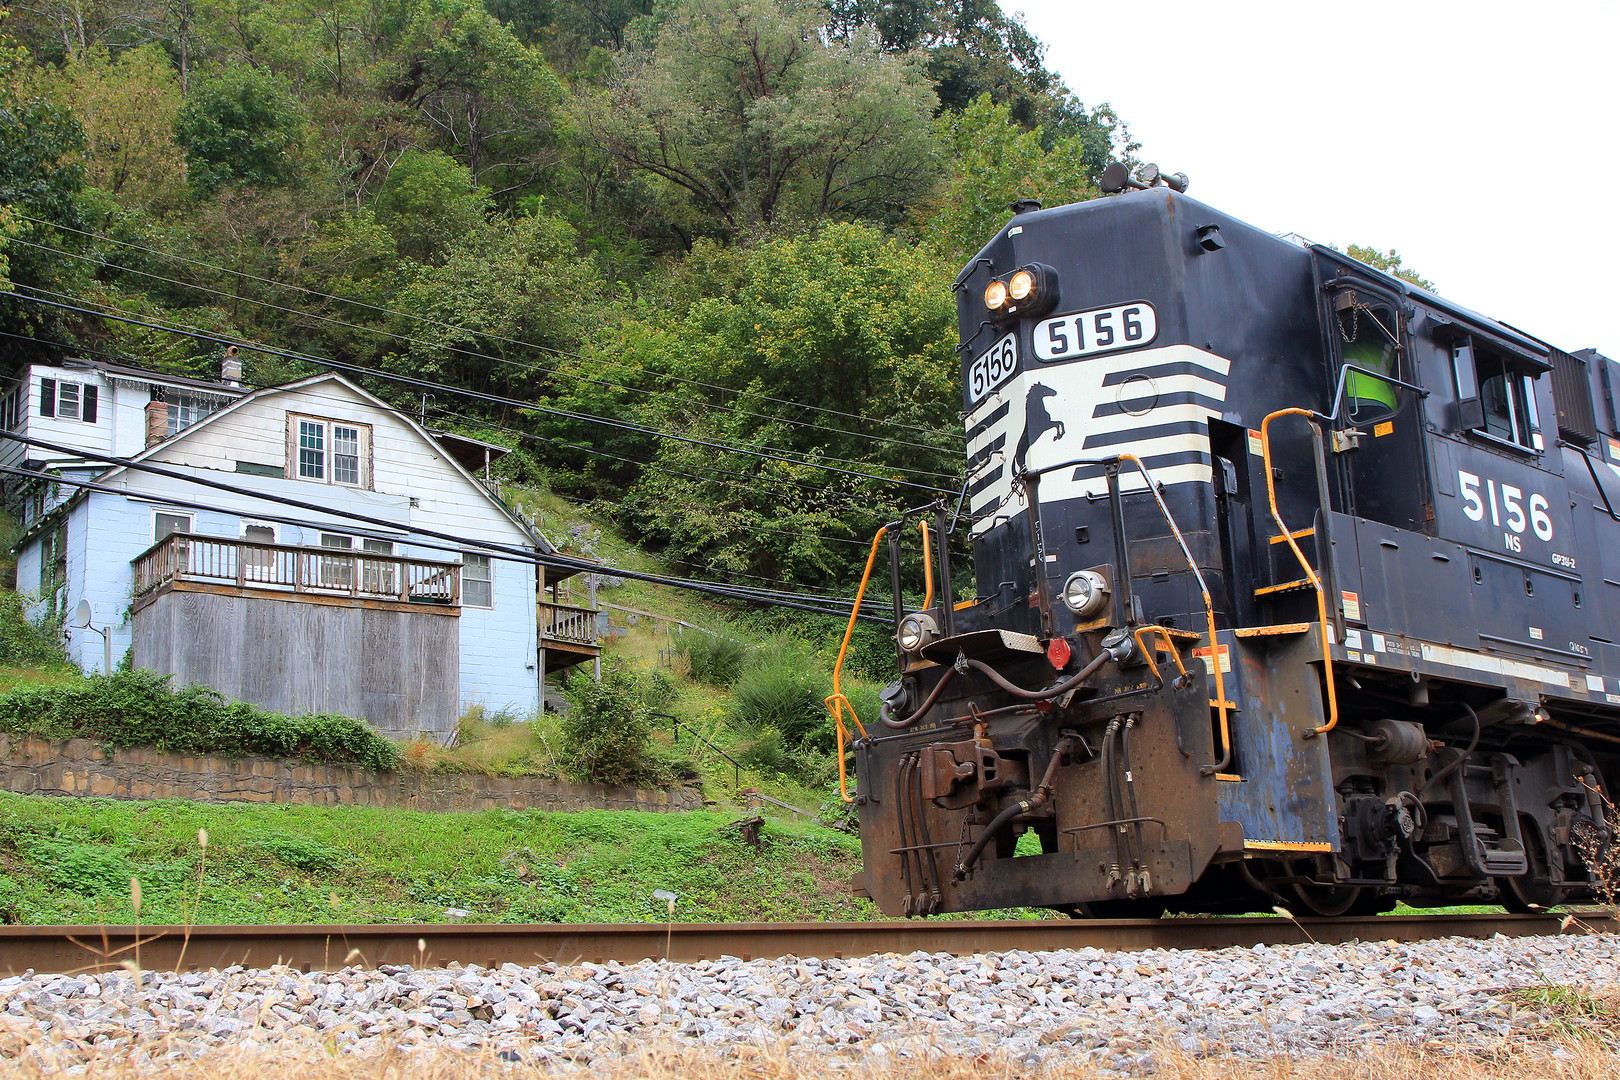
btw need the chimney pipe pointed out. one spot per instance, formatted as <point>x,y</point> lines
<point>157,418</point>
<point>230,372</point>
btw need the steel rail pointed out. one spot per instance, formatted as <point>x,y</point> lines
<point>64,949</point>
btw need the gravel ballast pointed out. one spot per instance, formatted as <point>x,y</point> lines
<point>1111,1007</point>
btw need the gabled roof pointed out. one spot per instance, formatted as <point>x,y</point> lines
<point>541,543</point>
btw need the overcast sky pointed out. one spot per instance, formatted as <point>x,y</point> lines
<point>1480,140</point>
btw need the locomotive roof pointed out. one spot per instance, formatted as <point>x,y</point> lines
<point>1450,310</point>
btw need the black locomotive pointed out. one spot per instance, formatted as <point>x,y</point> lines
<point>1294,585</point>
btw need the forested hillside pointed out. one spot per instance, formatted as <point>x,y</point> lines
<point>726,227</point>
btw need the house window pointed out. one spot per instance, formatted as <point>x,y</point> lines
<point>312,450</point>
<point>187,409</point>
<point>13,407</point>
<point>53,561</point>
<point>1497,398</point>
<point>330,451</point>
<point>167,524</point>
<point>68,400</point>
<point>477,581</point>
<point>376,575</point>
<point>258,564</point>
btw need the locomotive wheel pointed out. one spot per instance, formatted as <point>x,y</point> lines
<point>1327,901</point>
<point>1532,891</point>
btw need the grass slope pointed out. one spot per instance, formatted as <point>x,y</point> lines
<point>68,860</point>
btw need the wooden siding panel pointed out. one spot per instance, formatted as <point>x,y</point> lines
<point>398,671</point>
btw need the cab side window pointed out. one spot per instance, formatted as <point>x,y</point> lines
<point>1368,342</point>
<point>1496,396</point>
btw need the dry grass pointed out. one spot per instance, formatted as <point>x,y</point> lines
<point>311,1059</point>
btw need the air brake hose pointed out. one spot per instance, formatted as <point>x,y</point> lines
<point>1040,695</point>
<point>1457,762</point>
<point>1023,806</point>
<point>928,703</point>
<point>1000,680</point>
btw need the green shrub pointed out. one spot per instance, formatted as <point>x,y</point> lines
<point>139,708</point>
<point>23,643</point>
<point>788,694</point>
<point>716,659</point>
<point>299,852</point>
<point>764,752</point>
<point>606,728</point>
<point>10,900</point>
<point>86,869</point>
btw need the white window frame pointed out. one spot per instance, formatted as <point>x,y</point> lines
<point>187,409</point>
<point>327,429</point>
<point>189,519</point>
<point>489,566</point>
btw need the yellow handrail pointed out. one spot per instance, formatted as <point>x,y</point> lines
<point>1310,571</point>
<point>836,702</point>
<point>1220,701</point>
<point>1147,653</point>
<point>928,568</point>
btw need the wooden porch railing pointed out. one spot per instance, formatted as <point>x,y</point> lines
<point>313,570</point>
<point>560,622</point>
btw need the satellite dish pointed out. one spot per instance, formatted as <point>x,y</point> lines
<point>81,614</point>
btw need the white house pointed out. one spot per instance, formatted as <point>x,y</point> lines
<point>298,609</point>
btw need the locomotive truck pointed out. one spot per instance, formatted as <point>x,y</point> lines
<point>1293,585</point>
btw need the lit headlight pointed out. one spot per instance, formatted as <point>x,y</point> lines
<point>915,632</point>
<point>1085,592</point>
<point>1020,285</point>
<point>995,295</point>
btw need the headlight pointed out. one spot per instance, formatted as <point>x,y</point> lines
<point>915,632</point>
<point>1021,284</point>
<point>1085,592</point>
<point>995,295</point>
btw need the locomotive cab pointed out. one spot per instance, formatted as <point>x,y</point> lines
<point>1281,591</point>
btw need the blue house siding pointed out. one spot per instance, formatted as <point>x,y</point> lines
<point>413,484</point>
<point>499,645</point>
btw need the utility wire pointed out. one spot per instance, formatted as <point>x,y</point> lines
<point>527,368</point>
<point>898,425</point>
<point>467,393</point>
<point>555,560</point>
<point>753,479</point>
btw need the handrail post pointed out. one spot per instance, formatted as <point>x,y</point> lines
<point>1043,587</point>
<point>1122,548</point>
<point>947,603</point>
<point>1310,571</point>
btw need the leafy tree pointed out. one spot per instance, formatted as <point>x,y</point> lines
<point>523,280</point>
<point>40,175</point>
<point>971,48</point>
<point>486,94</point>
<point>747,115</point>
<point>127,106</point>
<point>846,319</point>
<point>241,125</point>
<point>427,201</point>
<point>1389,262</point>
<point>993,161</point>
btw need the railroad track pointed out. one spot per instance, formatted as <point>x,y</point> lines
<point>314,947</point>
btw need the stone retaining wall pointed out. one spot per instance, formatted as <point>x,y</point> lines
<point>32,766</point>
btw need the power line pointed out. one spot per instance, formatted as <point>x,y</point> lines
<point>753,479</point>
<point>556,560</point>
<point>465,392</point>
<point>526,368</point>
<point>898,425</point>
